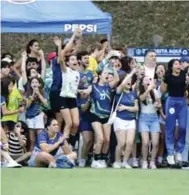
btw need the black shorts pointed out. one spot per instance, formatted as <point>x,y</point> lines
<point>55,101</point>
<point>94,118</point>
<point>68,103</point>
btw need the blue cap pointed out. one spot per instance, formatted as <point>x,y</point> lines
<point>184,59</point>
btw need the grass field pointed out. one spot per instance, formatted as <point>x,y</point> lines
<point>37,181</point>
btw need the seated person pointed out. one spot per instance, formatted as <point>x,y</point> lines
<point>6,160</point>
<point>18,140</point>
<point>51,149</point>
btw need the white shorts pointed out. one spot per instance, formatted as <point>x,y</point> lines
<point>120,124</point>
<point>37,122</point>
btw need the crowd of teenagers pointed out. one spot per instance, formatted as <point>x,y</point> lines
<point>93,107</point>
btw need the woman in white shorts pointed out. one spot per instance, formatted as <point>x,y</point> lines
<point>125,122</point>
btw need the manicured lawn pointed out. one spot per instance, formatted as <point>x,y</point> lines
<point>38,181</point>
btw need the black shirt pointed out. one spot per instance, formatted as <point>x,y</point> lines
<point>176,84</point>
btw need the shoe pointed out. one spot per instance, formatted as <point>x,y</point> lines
<point>82,163</point>
<point>13,164</point>
<point>52,165</point>
<point>135,163</point>
<point>103,163</point>
<point>144,165</point>
<point>178,157</point>
<point>126,165</point>
<point>117,165</point>
<point>185,164</point>
<point>96,164</point>
<point>152,165</point>
<point>170,160</point>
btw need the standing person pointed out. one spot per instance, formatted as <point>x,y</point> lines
<point>99,115</point>
<point>47,151</point>
<point>125,122</point>
<point>68,93</point>
<point>34,115</point>
<point>5,69</point>
<point>86,78</point>
<point>148,120</point>
<point>150,63</point>
<point>11,108</point>
<point>176,109</point>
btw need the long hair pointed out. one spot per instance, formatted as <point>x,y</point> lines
<point>30,90</point>
<point>156,76</point>
<point>142,90</point>
<point>170,66</point>
<point>30,44</point>
<point>125,61</point>
<point>5,82</point>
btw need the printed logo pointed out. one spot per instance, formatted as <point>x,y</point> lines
<point>171,110</point>
<point>83,27</point>
<point>21,1</point>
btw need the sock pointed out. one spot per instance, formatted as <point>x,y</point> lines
<point>104,156</point>
<point>160,159</point>
<point>52,165</point>
<point>97,156</point>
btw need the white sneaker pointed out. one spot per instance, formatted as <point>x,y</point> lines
<point>103,163</point>
<point>13,164</point>
<point>96,164</point>
<point>52,165</point>
<point>170,160</point>
<point>178,157</point>
<point>117,165</point>
<point>152,165</point>
<point>126,165</point>
<point>130,161</point>
<point>82,163</point>
<point>144,165</point>
<point>135,163</point>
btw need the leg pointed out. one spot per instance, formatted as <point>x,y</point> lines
<point>121,139</point>
<point>68,121</point>
<point>161,144</point>
<point>182,121</point>
<point>155,142</point>
<point>59,118</point>
<point>75,119</point>
<point>44,159</point>
<point>170,126</point>
<point>87,143</point>
<point>32,135</point>
<point>106,132</point>
<point>130,137</point>
<point>24,157</point>
<point>145,145</point>
<point>99,139</point>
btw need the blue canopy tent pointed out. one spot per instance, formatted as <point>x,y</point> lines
<point>60,16</point>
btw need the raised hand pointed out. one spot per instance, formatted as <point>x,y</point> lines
<point>57,41</point>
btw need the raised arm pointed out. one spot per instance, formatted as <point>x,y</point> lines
<point>115,81</point>
<point>23,68</point>
<point>43,63</point>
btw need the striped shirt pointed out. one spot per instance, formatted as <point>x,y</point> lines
<point>14,145</point>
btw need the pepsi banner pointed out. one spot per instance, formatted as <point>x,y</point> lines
<point>163,54</point>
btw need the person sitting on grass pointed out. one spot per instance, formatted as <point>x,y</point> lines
<point>51,149</point>
<point>6,160</point>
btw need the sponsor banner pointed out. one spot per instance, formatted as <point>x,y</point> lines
<point>163,54</point>
<point>88,28</point>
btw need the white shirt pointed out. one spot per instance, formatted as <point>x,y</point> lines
<point>150,107</point>
<point>70,82</point>
<point>150,72</point>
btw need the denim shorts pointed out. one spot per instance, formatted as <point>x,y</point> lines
<point>148,123</point>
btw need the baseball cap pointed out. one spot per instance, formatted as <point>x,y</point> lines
<point>184,59</point>
<point>7,60</point>
<point>51,56</point>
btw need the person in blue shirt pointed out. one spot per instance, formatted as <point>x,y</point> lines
<point>99,115</point>
<point>125,121</point>
<point>51,149</point>
<point>34,115</point>
<point>83,102</point>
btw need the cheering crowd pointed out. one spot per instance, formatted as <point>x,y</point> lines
<point>93,107</point>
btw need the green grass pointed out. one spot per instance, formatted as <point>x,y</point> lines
<point>37,181</point>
